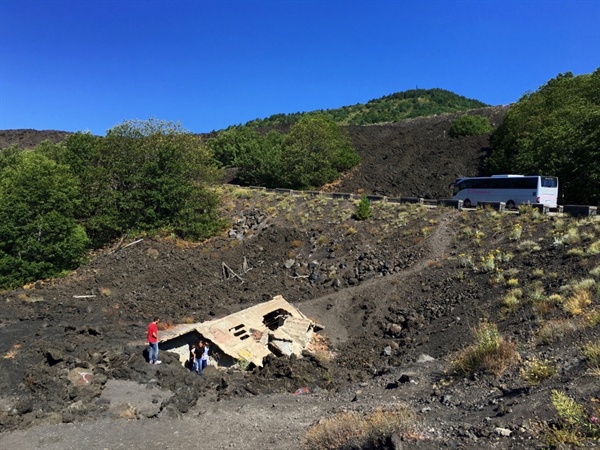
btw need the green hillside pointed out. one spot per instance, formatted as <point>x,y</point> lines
<point>390,108</point>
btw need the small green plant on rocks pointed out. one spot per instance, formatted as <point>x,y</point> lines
<point>363,209</point>
<point>512,299</point>
<point>515,232</point>
<point>537,371</point>
<point>576,425</point>
<point>592,353</point>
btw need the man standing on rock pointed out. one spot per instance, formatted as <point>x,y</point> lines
<point>153,342</point>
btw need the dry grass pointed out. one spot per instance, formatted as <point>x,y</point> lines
<point>351,430</point>
<point>491,353</point>
<point>592,354</point>
<point>537,371</point>
<point>10,354</point>
<point>593,249</point>
<point>528,247</point>
<point>512,300</point>
<point>577,302</point>
<point>105,292</point>
<point>554,330</point>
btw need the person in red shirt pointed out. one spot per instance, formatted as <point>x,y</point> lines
<point>153,342</point>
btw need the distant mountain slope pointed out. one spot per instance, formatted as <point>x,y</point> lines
<point>28,138</point>
<point>416,157</point>
<point>413,157</point>
<point>390,108</point>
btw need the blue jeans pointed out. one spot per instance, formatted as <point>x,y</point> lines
<point>199,366</point>
<point>152,352</point>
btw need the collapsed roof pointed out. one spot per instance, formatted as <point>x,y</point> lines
<point>273,327</point>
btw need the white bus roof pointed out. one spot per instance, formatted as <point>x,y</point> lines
<point>506,176</point>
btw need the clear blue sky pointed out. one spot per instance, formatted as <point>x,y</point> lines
<point>89,65</point>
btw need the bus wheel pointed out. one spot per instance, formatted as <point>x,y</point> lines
<point>510,204</point>
<point>467,203</point>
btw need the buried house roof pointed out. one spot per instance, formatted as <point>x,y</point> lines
<point>253,333</point>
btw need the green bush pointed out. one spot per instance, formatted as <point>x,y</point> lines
<point>39,236</point>
<point>363,209</point>
<point>470,126</point>
<point>316,151</point>
<point>142,176</point>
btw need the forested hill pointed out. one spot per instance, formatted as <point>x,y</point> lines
<point>387,109</point>
<point>390,108</point>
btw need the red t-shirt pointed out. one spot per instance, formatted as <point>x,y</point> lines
<point>152,333</point>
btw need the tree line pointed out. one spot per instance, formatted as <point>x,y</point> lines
<point>390,108</point>
<point>58,201</point>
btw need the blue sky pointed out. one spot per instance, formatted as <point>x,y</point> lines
<point>84,65</point>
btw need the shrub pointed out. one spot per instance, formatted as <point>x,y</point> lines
<point>39,234</point>
<point>575,425</point>
<point>577,302</point>
<point>537,273</point>
<point>465,260</point>
<point>538,371</point>
<point>363,209</point>
<point>511,300</point>
<point>491,352</point>
<point>356,431</point>
<point>515,232</point>
<point>512,282</point>
<point>488,262</point>
<point>470,126</point>
<point>592,353</point>
<point>554,330</point>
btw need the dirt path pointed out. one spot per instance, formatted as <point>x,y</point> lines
<point>331,310</point>
<point>275,422</point>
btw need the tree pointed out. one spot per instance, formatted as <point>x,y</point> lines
<point>143,176</point>
<point>232,144</point>
<point>555,131</point>
<point>470,126</point>
<point>262,166</point>
<point>316,151</point>
<point>39,236</point>
<point>159,176</point>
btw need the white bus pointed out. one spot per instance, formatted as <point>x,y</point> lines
<point>511,189</point>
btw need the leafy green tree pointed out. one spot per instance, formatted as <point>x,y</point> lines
<point>9,156</point>
<point>159,175</point>
<point>316,151</point>
<point>262,166</point>
<point>555,131</point>
<point>142,176</point>
<point>470,126</point>
<point>232,144</point>
<point>39,236</point>
<point>82,152</point>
